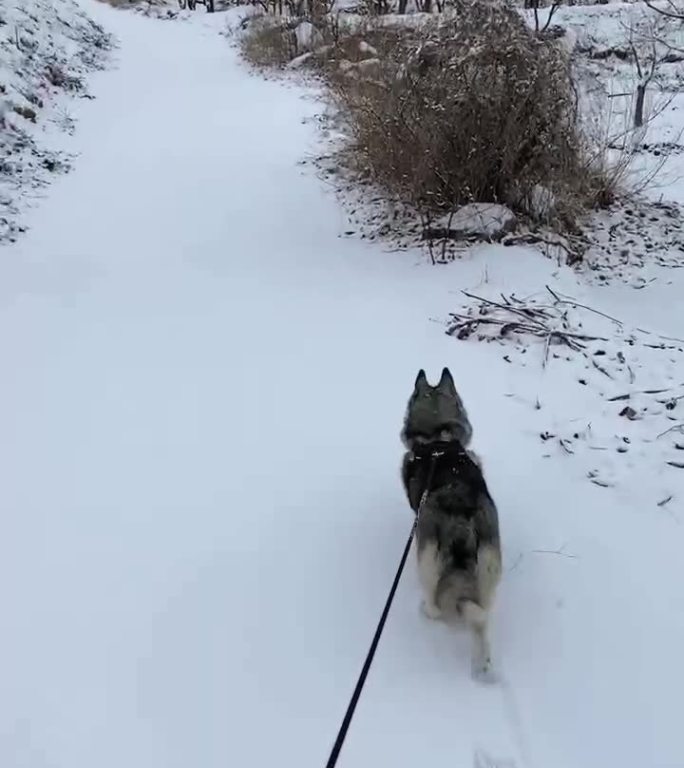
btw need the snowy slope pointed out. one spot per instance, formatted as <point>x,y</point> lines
<point>46,49</point>
<point>200,505</point>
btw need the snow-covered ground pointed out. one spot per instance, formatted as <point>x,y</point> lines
<point>46,49</point>
<point>201,515</point>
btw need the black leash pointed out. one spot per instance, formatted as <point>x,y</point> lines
<point>349,714</point>
<point>339,741</point>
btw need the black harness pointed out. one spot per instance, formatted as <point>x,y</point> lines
<point>431,464</point>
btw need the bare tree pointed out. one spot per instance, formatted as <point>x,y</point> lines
<point>535,6</point>
<point>646,62</point>
<point>650,47</point>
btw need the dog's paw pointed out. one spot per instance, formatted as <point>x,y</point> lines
<point>483,671</point>
<point>430,610</point>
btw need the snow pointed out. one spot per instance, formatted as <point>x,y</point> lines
<point>487,221</point>
<point>201,512</point>
<point>46,49</point>
<point>307,36</point>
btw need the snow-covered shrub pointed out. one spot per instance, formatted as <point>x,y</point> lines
<point>470,106</point>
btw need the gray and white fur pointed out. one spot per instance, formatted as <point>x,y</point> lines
<point>457,535</point>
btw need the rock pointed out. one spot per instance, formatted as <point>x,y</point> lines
<point>540,203</point>
<point>367,50</point>
<point>26,112</point>
<point>481,221</point>
<point>629,413</point>
<point>307,37</point>
<point>300,61</point>
<point>368,67</point>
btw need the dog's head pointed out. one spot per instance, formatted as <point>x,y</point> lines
<point>435,413</point>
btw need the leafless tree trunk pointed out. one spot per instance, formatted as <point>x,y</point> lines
<point>534,4</point>
<point>639,105</point>
<point>647,53</point>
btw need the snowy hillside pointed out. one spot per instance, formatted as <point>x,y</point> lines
<point>46,49</point>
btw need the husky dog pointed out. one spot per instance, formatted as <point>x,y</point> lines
<point>457,534</point>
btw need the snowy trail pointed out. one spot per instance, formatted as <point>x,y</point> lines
<point>201,511</point>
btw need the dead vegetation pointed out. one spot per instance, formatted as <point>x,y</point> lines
<point>557,320</point>
<point>512,316</point>
<point>471,105</point>
<point>632,375</point>
<point>269,42</point>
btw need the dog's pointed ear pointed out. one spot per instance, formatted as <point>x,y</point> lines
<point>446,383</point>
<point>421,384</point>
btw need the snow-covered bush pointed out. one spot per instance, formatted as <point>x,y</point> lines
<point>469,106</point>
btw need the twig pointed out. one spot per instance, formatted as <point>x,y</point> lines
<point>640,392</point>
<point>670,14</point>
<point>558,551</point>
<point>531,238</point>
<point>678,464</point>
<point>496,304</point>
<point>465,320</point>
<point>674,428</point>
<point>600,368</point>
<point>571,301</point>
<point>600,483</point>
<point>554,294</point>
<point>572,340</point>
<point>664,501</point>
<point>667,338</point>
<point>537,327</point>
<point>547,344</point>
<point>563,445</point>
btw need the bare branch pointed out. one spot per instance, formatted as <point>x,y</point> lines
<point>674,14</point>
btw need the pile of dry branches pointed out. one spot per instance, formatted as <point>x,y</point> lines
<point>550,322</point>
<point>556,320</point>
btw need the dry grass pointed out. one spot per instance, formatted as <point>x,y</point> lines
<point>268,42</point>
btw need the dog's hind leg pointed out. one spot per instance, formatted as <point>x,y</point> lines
<point>476,614</point>
<point>475,618</point>
<point>429,573</point>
